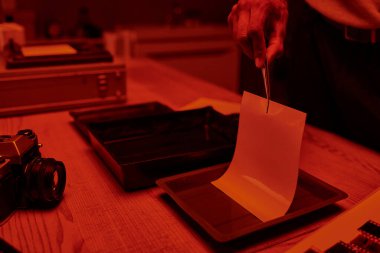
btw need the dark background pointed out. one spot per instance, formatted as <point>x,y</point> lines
<point>112,13</point>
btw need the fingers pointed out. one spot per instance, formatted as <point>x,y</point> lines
<point>256,32</point>
<point>238,21</point>
<point>242,32</point>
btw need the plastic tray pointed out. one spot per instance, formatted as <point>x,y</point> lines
<point>224,219</point>
<point>140,150</point>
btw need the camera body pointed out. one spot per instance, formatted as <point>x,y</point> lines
<point>27,179</point>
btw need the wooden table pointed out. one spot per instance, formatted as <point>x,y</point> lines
<point>96,215</point>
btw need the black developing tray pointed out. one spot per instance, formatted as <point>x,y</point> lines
<point>86,116</point>
<point>140,150</point>
<point>223,218</point>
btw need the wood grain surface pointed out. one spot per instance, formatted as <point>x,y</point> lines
<point>96,215</point>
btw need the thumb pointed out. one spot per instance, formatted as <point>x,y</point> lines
<point>275,49</point>
<point>259,49</point>
<point>276,39</point>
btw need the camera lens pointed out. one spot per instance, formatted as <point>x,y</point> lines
<point>45,181</point>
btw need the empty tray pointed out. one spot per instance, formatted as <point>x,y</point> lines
<point>223,218</point>
<point>141,150</point>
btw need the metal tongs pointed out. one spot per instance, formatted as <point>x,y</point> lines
<point>265,72</point>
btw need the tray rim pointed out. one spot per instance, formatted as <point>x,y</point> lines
<point>224,237</point>
<point>82,112</point>
<point>82,125</point>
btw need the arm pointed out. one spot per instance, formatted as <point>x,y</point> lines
<point>251,21</point>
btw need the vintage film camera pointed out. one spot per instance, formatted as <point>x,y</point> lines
<point>27,179</point>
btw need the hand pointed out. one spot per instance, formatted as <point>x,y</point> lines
<point>252,21</point>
